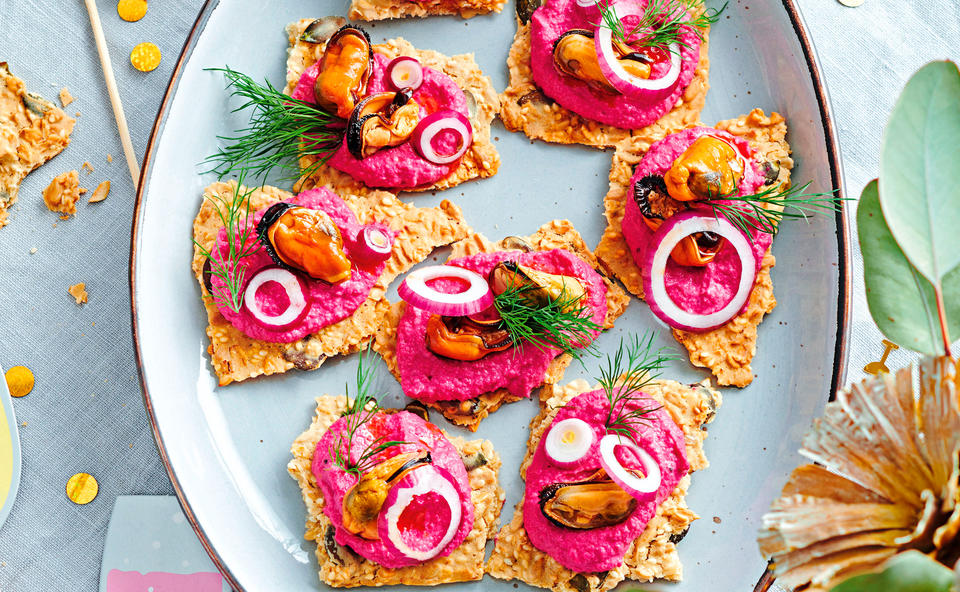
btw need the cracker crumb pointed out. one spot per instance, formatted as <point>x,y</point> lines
<point>33,250</point>
<point>62,193</point>
<point>77,114</point>
<point>109,157</point>
<point>65,97</point>
<point>23,424</point>
<point>100,193</point>
<point>79,292</point>
<point>87,167</point>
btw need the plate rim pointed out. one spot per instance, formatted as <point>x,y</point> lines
<point>844,291</point>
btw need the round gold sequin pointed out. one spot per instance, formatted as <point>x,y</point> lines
<point>82,488</point>
<point>19,381</point>
<point>145,57</point>
<point>132,10</point>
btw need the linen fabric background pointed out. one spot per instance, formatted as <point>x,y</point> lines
<point>86,411</point>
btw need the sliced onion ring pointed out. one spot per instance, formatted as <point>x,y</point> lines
<point>436,123</point>
<point>474,299</point>
<point>295,288</point>
<point>371,246</point>
<point>654,269</point>
<point>643,488</point>
<point>568,441</point>
<point>623,81</point>
<point>405,73</point>
<point>424,480</point>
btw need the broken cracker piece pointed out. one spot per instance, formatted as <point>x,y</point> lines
<point>100,193</point>
<point>87,167</point>
<point>376,10</point>
<point>32,131</point>
<point>65,97</point>
<point>79,292</point>
<point>727,350</point>
<point>62,193</point>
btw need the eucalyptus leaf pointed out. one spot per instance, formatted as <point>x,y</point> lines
<point>919,164</point>
<point>907,572</point>
<point>901,301</point>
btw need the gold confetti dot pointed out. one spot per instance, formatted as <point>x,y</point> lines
<point>132,10</point>
<point>19,381</point>
<point>145,57</point>
<point>82,488</point>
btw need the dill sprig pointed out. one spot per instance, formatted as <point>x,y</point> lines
<point>635,365</point>
<point>662,23</point>
<point>564,323</point>
<point>282,130</point>
<point>234,215</point>
<point>360,411</point>
<point>763,211</point>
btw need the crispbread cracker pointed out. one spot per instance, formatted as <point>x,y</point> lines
<point>558,234</point>
<point>654,554</point>
<point>340,567</point>
<point>236,357</point>
<point>481,159</point>
<point>375,10</point>
<point>32,131</point>
<point>728,350</point>
<point>524,107</point>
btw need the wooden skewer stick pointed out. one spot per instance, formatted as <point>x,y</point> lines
<point>132,162</point>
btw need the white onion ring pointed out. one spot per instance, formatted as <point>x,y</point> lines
<point>438,122</point>
<point>563,452</point>
<point>414,289</point>
<point>670,233</point>
<point>643,489</point>
<point>296,291</point>
<point>423,480</point>
<point>405,72</point>
<point>623,81</point>
<point>372,245</point>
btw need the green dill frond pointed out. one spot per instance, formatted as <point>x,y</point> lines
<point>635,365</point>
<point>282,130</point>
<point>564,323</point>
<point>234,215</point>
<point>360,410</point>
<point>762,212</point>
<point>662,23</point>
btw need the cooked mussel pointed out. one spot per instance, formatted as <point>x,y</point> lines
<point>709,167</point>
<point>362,503</point>
<point>536,288</point>
<point>322,29</point>
<point>304,239</point>
<point>698,249</point>
<point>594,503</point>
<point>651,196</point>
<point>575,54</point>
<point>465,338</point>
<point>344,70</point>
<point>771,172</point>
<point>380,121</point>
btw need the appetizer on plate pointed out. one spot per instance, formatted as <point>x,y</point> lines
<point>32,131</point>
<point>288,281</point>
<point>415,120</point>
<point>497,321</point>
<point>391,499</point>
<point>607,471</point>
<point>690,224</point>
<point>375,10</point>
<point>594,73</point>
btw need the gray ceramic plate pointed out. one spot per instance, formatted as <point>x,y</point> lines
<point>227,448</point>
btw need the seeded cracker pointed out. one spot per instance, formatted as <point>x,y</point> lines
<point>558,234</point>
<point>480,161</point>
<point>728,350</point>
<point>340,567</point>
<point>236,357</point>
<point>523,107</point>
<point>32,131</point>
<point>654,554</point>
<point>376,10</point>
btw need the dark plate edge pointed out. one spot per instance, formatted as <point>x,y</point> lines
<point>843,247</point>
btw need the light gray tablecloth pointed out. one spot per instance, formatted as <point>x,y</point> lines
<point>86,413</point>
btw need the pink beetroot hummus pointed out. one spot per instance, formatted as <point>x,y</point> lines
<point>429,377</point>
<point>601,549</point>
<point>419,435</point>
<point>401,166</point>
<point>556,17</point>
<point>700,290</point>
<point>328,303</point>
